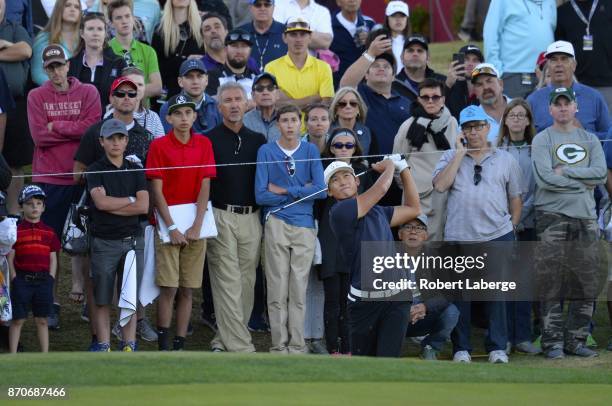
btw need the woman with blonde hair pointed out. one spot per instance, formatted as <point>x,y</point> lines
<point>348,110</point>
<point>62,29</point>
<point>177,38</point>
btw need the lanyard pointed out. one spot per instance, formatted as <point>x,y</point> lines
<point>261,52</point>
<point>582,17</point>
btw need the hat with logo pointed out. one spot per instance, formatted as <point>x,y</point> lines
<point>122,80</point>
<point>397,7</point>
<point>484,69</point>
<point>29,192</point>
<point>560,47</point>
<point>472,113</point>
<point>112,127</point>
<point>53,54</point>
<point>566,92</point>
<point>297,24</point>
<point>334,168</point>
<point>192,64</point>
<point>474,50</point>
<point>238,35</point>
<point>180,100</point>
<point>417,39</point>
<point>265,75</point>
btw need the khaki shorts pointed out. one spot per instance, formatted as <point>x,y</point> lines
<point>179,266</point>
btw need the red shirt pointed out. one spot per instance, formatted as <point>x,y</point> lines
<point>181,186</point>
<point>35,242</point>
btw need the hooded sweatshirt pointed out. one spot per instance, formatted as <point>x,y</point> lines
<point>72,112</point>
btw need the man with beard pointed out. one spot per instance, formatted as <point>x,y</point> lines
<point>237,50</point>
<point>489,88</point>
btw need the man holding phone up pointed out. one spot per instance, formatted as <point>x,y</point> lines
<point>460,92</point>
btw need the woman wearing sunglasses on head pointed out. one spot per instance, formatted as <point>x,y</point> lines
<point>348,110</point>
<point>423,138</point>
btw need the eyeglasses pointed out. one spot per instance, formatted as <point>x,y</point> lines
<point>414,229</point>
<point>121,94</point>
<point>262,4</point>
<point>261,88</point>
<point>239,36</point>
<point>519,116</point>
<point>343,104</point>
<point>290,164</point>
<point>127,57</point>
<point>340,145</point>
<point>477,174</point>
<point>238,144</point>
<point>469,128</point>
<point>428,99</point>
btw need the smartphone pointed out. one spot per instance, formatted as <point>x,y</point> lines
<point>459,57</point>
<point>464,141</point>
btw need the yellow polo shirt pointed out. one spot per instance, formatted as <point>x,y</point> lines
<point>315,77</point>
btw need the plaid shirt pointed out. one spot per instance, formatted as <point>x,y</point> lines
<point>35,241</point>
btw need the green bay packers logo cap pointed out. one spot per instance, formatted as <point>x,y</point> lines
<point>571,153</point>
<point>566,92</point>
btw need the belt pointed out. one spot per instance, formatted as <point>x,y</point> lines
<point>33,276</point>
<point>235,209</point>
<point>376,294</point>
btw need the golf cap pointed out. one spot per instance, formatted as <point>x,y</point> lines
<point>474,50</point>
<point>484,69</point>
<point>560,47</point>
<point>238,35</point>
<point>417,39</point>
<point>122,80</point>
<point>265,75</point>
<point>566,92</point>
<point>397,7</point>
<point>297,24</point>
<point>53,54</point>
<point>192,64</point>
<point>472,113</point>
<point>334,167</point>
<point>112,127</point>
<point>180,100</point>
<point>29,192</point>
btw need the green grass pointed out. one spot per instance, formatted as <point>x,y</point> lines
<point>441,54</point>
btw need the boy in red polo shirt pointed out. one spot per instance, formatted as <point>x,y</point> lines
<point>181,261</point>
<point>33,263</point>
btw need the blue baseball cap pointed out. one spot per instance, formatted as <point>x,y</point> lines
<point>192,64</point>
<point>30,191</point>
<point>472,113</point>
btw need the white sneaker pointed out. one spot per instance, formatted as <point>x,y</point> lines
<point>498,357</point>
<point>462,356</point>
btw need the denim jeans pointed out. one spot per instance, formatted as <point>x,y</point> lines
<point>437,326</point>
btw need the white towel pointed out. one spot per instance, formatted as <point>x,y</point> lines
<point>148,289</point>
<point>127,297</point>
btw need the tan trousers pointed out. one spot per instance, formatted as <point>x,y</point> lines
<point>287,260</point>
<point>232,260</point>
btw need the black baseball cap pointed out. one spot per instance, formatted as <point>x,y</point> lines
<point>474,50</point>
<point>238,35</point>
<point>417,39</point>
<point>180,100</point>
<point>389,57</point>
<point>265,75</point>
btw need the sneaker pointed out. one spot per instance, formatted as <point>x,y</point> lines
<point>53,319</point>
<point>462,356</point>
<point>258,326</point>
<point>178,344</point>
<point>527,347</point>
<point>583,351</point>
<point>555,353</point>
<point>417,340</point>
<point>316,346</point>
<point>117,331</point>
<point>102,347</point>
<point>189,329</point>
<point>609,348</point>
<point>145,331</point>
<point>130,346</point>
<point>85,313</point>
<point>210,321</point>
<point>590,341</point>
<point>498,357</point>
<point>429,354</point>
<point>217,349</point>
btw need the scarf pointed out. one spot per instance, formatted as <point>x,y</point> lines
<point>424,124</point>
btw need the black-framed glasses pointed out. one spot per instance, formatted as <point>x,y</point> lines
<point>122,93</point>
<point>469,128</point>
<point>414,229</point>
<point>238,144</point>
<point>340,145</point>
<point>518,116</point>
<point>477,174</point>
<point>290,164</point>
<point>261,88</point>
<point>352,103</point>
<point>428,99</point>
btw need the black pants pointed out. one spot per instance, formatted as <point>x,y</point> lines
<point>335,314</point>
<point>378,328</point>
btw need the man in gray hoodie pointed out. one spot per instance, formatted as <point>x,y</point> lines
<point>568,162</point>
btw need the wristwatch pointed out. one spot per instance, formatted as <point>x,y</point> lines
<point>131,199</point>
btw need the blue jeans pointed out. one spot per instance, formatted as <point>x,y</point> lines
<point>438,326</point>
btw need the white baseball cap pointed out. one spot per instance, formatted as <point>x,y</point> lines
<point>560,47</point>
<point>397,7</point>
<point>334,167</point>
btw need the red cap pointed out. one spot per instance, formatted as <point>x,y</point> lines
<point>121,81</point>
<point>541,60</point>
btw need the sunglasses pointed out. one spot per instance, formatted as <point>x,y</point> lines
<point>343,104</point>
<point>340,145</point>
<point>477,174</point>
<point>121,94</point>
<point>290,164</point>
<point>237,36</point>
<point>262,5</point>
<point>261,88</point>
<point>299,24</point>
<point>127,57</point>
<point>434,99</point>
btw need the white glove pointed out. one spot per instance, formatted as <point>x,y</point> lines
<point>134,159</point>
<point>399,162</point>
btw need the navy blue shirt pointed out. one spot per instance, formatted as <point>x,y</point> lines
<point>385,116</point>
<point>267,46</point>
<point>20,13</point>
<point>351,231</point>
<point>607,147</point>
<point>344,44</point>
